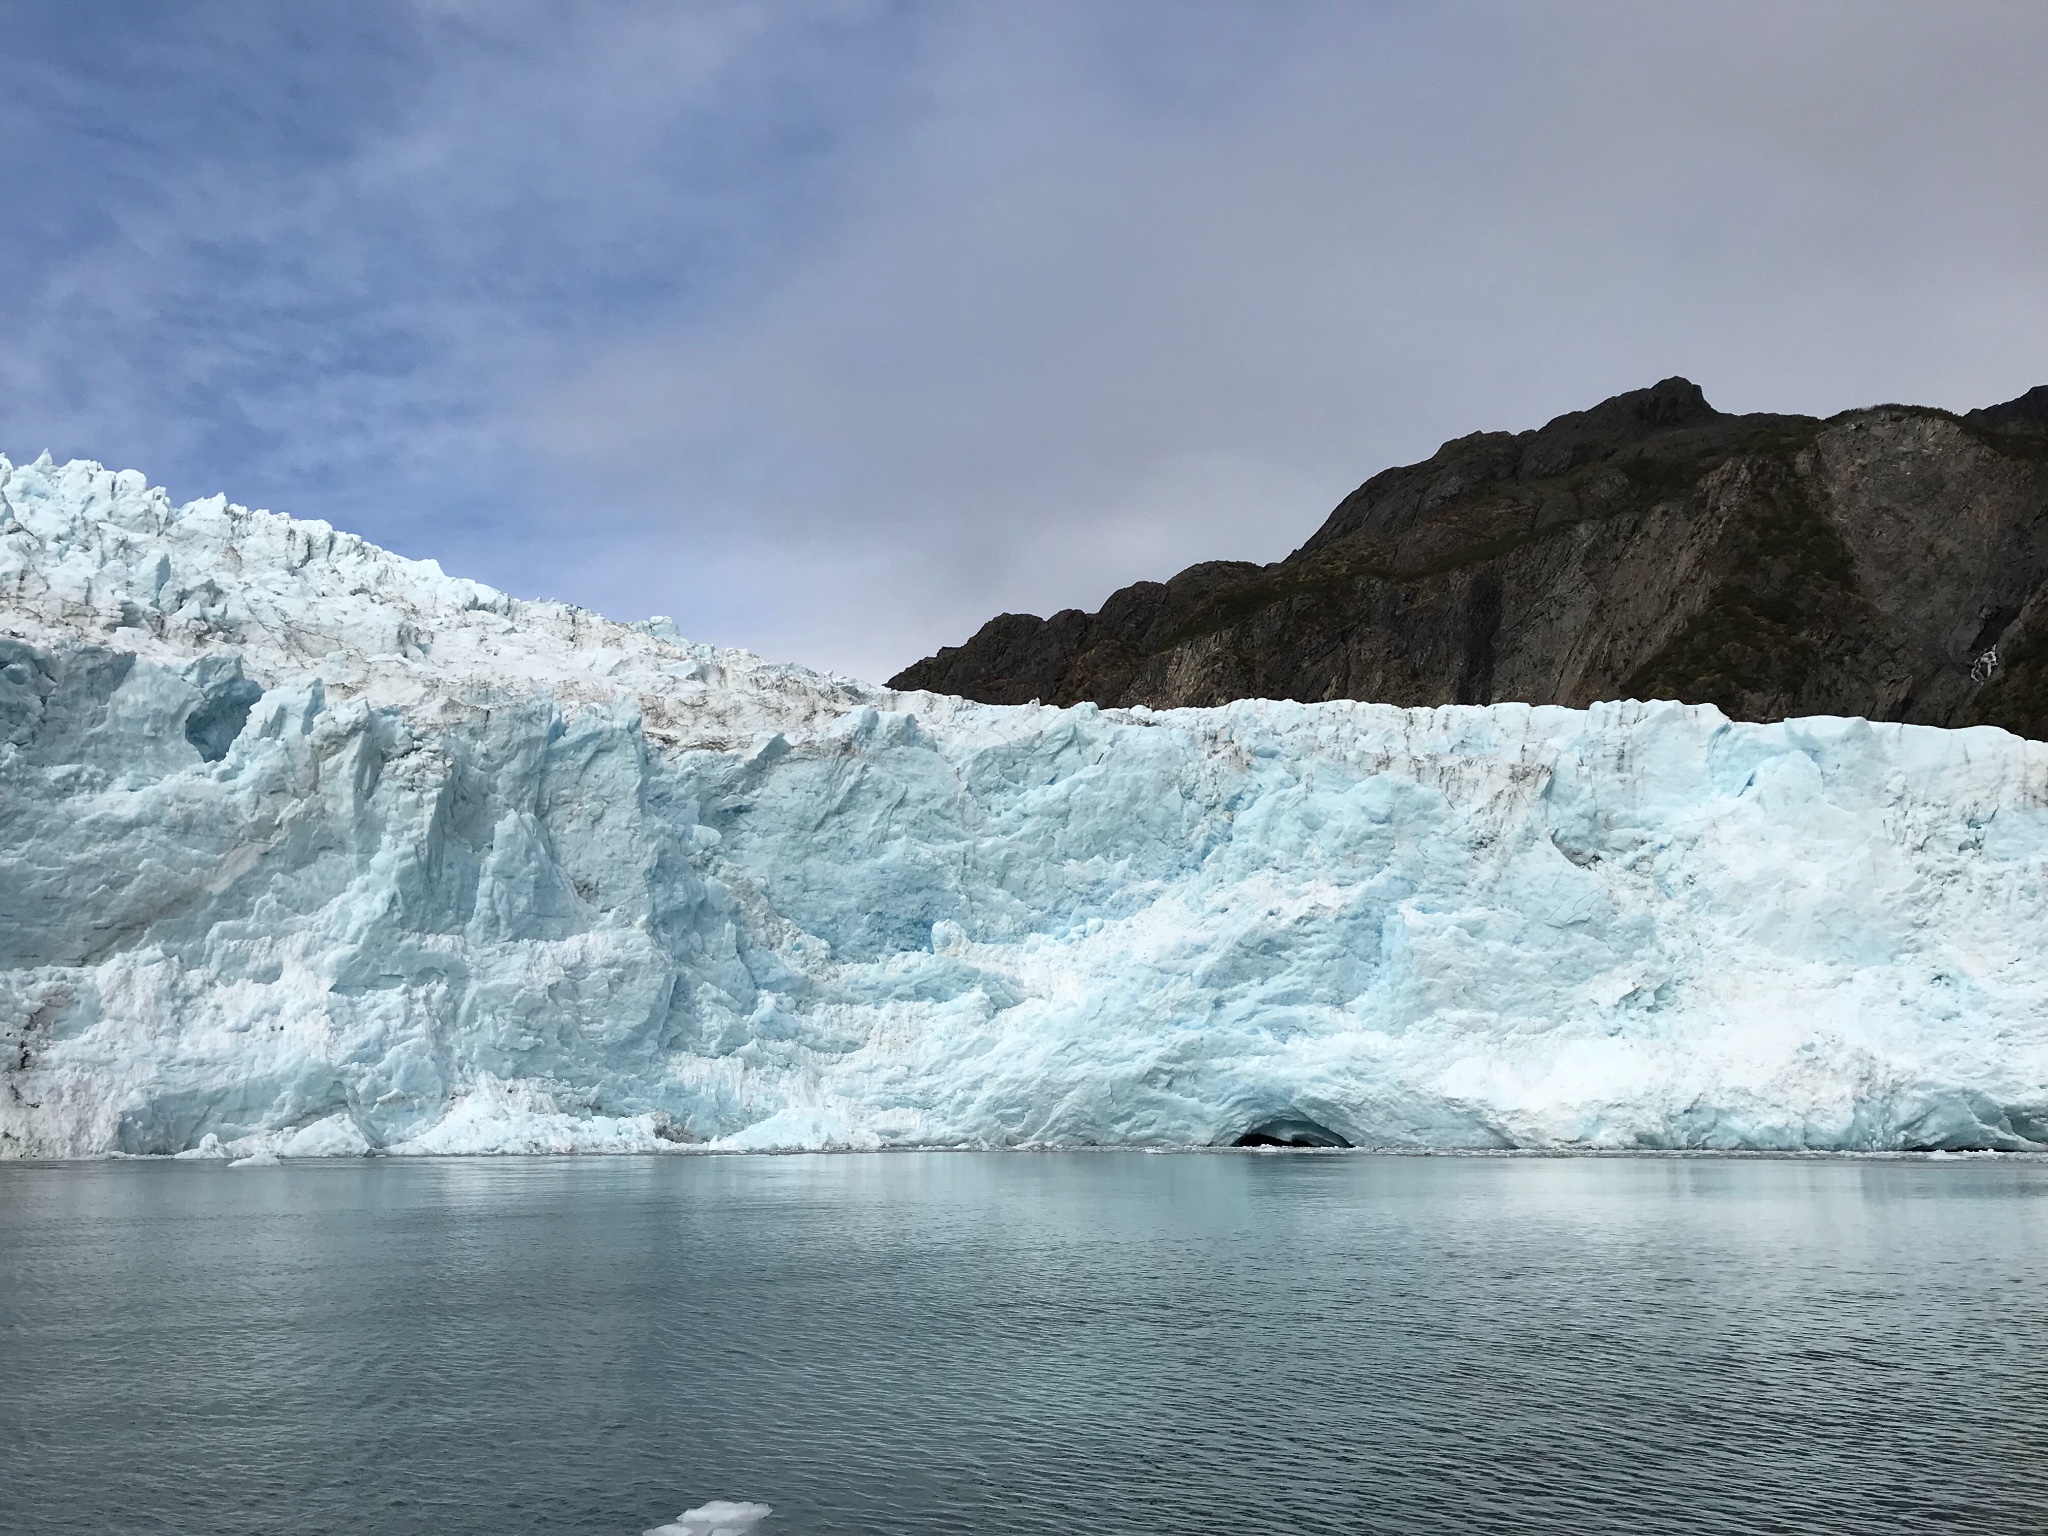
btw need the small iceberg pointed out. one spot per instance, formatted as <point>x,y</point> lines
<point>721,1517</point>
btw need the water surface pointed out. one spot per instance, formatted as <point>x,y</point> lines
<point>1022,1344</point>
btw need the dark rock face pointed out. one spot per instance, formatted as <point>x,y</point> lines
<point>1650,547</point>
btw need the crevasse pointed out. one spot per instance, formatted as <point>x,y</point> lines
<point>309,849</point>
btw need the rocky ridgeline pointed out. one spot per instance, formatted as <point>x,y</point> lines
<point>1889,563</point>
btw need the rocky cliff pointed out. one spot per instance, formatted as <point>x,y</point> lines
<point>1651,547</point>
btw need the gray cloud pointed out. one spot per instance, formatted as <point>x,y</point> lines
<point>835,330</point>
<point>1068,334</point>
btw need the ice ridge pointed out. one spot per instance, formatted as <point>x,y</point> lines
<point>309,849</point>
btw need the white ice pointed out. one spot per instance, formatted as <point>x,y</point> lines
<point>309,850</point>
<point>721,1517</point>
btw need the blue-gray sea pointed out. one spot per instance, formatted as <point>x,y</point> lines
<point>1018,1343</point>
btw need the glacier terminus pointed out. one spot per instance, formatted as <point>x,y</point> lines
<point>307,849</point>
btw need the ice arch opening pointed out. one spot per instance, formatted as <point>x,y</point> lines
<point>1290,1131</point>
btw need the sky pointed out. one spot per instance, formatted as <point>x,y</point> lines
<point>833,329</point>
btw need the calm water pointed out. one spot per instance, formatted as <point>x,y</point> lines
<point>1014,1343</point>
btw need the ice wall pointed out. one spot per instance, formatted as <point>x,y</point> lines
<point>306,848</point>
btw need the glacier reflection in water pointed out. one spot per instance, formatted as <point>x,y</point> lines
<point>1011,1343</point>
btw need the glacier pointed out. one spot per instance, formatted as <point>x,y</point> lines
<point>307,849</point>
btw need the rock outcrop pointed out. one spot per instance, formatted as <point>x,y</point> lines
<point>1649,548</point>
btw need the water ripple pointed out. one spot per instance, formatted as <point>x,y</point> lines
<point>1018,1344</point>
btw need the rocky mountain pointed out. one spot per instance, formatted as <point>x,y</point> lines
<point>1651,547</point>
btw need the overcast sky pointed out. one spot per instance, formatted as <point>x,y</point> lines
<point>833,330</point>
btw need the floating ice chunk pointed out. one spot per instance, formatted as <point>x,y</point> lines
<point>262,1158</point>
<point>721,1517</point>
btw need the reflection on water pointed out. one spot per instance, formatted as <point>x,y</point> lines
<point>1020,1344</point>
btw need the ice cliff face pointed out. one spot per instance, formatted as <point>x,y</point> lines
<point>306,848</point>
